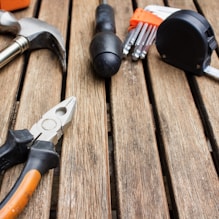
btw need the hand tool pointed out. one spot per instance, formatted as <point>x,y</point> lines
<point>186,40</point>
<point>37,147</point>
<point>13,4</point>
<point>105,47</point>
<point>31,34</point>
<point>143,28</point>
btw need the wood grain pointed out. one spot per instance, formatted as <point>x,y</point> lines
<point>10,78</point>
<point>84,181</point>
<point>139,177</point>
<point>41,91</point>
<point>150,109</point>
<point>190,164</point>
<point>208,87</point>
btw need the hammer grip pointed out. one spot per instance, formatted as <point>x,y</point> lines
<point>18,46</point>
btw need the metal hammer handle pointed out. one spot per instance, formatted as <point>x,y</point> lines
<point>18,46</point>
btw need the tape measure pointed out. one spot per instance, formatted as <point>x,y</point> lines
<point>186,40</point>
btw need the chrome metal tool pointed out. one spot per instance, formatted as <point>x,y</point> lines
<point>31,33</point>
<point>143,28</point>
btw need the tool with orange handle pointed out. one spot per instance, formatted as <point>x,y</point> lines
<point>11,5</point>
<point>143,27</point>
<point>37,147</point>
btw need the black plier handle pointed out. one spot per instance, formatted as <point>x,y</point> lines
<point>38,145</point>
<point>15,150</point>
<point>41,158</point>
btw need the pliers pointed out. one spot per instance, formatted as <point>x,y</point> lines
<point>37,147</point>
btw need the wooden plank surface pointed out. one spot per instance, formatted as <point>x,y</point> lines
<point>192,172</point>
<point>84,182</point>
<point>10,77</point>
<point>162,123</point>
<point>41,91</point>
<point>189,161</point>
<point>139,178</point>
<point>209,88</point>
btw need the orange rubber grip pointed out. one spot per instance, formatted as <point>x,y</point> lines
<point>21,197</point>
<point>140,15</point>
<point>42,157</point>
<point>11,5</point>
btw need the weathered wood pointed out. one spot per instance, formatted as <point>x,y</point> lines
<point>191,169</point>
<point>210,10</point>
<point>41,91</point>
<point>84,181</point>
<point>183,140</point>
<point>189,161</point>
<point>9,79</point>
<point>208,87</point>
<point>139,177</point>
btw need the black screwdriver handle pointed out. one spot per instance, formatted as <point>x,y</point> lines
<point>105,20</point>
<point>42,157</point>
<point>15,150</point>
<point>105,47</point>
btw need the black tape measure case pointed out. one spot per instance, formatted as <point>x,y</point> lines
<point>186,40</point>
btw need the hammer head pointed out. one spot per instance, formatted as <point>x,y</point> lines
<point>42,35</point>
<point>8,23</point>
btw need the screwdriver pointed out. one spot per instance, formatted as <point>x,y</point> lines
<point>105,47</point>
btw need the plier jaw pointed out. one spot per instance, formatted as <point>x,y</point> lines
<point>54,122</point>
<point>38,145</point>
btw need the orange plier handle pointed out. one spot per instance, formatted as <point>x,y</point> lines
<point>42,157</point>
<point>37,147</point>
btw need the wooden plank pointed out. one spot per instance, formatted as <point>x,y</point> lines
<point>192,172</point>
<point>209,88</point>
<point>42,90</point>
<point>9,79</point>
<point>84,180</point>
<point>139,178</point>
<point>209,10</point>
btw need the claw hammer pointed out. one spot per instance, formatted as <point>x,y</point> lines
<point>31,33</point>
